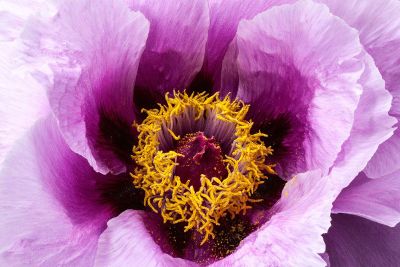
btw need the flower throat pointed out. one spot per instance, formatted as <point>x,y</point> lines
<point>197,160</point>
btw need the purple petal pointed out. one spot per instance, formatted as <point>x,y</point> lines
<point>51,213</point>
<point>225,16</point>
<point>126,242</point>
<point>375,199</point>
<point>94,50</point>
<point>354,241</point>
<point>292,237</point>
<point>379,26</point>
<point>313,82</point>
<point>175,47</point>
<point>387,159</point>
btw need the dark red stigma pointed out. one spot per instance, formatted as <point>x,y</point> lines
<point>201,155</point>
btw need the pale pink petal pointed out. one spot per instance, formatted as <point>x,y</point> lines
<point>372,126</point>
<point>14,15</point>
<point>23,100</point>
<point>379,25</point>
<point>127,242</point>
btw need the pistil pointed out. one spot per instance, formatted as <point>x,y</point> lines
<point>200,156</point>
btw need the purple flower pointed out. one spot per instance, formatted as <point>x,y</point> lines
<point>174,133</point>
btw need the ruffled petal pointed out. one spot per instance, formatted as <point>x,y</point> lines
<point>372,126</point>
<point>354,241</point>
<point>312,84</point>
<point>225,16</point>
<point>23,100</point>
<point>379,25</point>
<point>93,49</point>
<point>52,213</point>
<point>127,242</point>
<point>175,48</point>
<point>374,199</point>
<point>293,235</point>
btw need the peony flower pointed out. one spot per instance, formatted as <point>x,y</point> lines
<point>177,133</point>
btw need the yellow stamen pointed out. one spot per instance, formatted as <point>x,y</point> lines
<point>217,196</point>
<point>174,135</point>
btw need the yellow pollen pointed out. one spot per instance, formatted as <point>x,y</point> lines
<point>179,202</point>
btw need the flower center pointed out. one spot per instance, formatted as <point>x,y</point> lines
<point>200,156</point>
<point>209,172</point>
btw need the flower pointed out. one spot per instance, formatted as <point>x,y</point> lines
<point>210,132</point>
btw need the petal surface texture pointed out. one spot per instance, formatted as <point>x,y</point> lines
<point>14,15</point>
<point>355,241</point>
<point>52,214</point>
<point>93,50</point>
<point>23,100</point>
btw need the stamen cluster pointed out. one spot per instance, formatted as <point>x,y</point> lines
<point>178,201</point>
